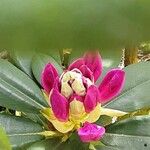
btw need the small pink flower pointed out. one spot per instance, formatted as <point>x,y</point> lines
<point>91,132</point>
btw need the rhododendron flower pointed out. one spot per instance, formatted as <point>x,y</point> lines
<point>74,98</point>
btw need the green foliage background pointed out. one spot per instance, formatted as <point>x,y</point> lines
<point>77,24</point>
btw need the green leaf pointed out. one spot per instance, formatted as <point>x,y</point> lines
<point>136,93</point>
<point>136,126</point>
<point>124,142</point>
<point>132,133</point>
<point>55,144</point>
<point>45,145</point>
<point>104,120</point>
<point>4,142</point>
<point>18,91</point>
<point>39,62</point>
<point>23,61</point>
<point>39,118</point>
<point>21,131</point>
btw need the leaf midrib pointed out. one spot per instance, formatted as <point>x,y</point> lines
<point>127,135</point>
<point>25,134</point>
<point>42,107</point>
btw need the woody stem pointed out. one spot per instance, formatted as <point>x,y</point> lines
<point>131,55</point>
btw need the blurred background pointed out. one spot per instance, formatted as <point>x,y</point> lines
<point>50,25</point>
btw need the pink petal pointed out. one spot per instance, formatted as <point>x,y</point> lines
<point>76,64</point>
<point>91,98</point>
<point>59,105</point>
<point>91,132</point>
<point>57,84</point>
<point>92,60</point>
<point>111,85</point>
<point>86,72</point>
<point>94,63</point>
<point>48,76</point>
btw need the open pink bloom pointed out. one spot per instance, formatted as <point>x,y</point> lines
<point>91,132</point>
<point>75,94</point>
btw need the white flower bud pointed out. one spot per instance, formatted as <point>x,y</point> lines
<point>66,90</point>
<point>66,77</point>
<point>72,81</point>
<point>78,87</point>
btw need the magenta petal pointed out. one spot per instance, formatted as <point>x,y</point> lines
<point>111,85</point>
<point>91,132</point>
<point>59,105</point>
<point>76,64</point>
<point>91,98</point>
<point>57,84</point>
<point>94,63</point>
<point>48,77</point>
<point>86,72</point>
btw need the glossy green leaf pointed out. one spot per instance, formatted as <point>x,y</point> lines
<point>21,131</point>
<point>104,120</point>
<point>78,24</point>
<point>18,91</point>
<point>23,60</point>
<point>45,145</point>
<point>136,126</point>
<point>39,62</point>
<point>55,144</point>
<point>132,133</point>
<point>55,54</point>
<point>136,93</point>
<point>38,118</point>
<point>112,141</point>
<point>125,142</point>
<point>4,142</point>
